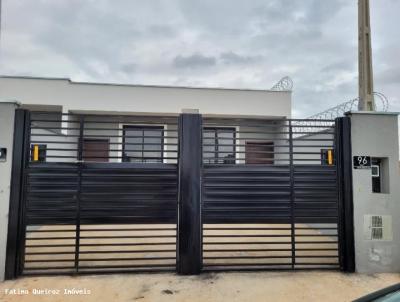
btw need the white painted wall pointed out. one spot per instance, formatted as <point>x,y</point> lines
<point>144,99</point>
<point>376,135</point>
<point>325,137</point>
<point>7,111</point>
<point>66,142</point>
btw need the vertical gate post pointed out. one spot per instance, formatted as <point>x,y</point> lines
<point>345,186</point>
<point>78,194</point>
<point>292,196</point>
<point>15,226</point>
<point>189,233</point>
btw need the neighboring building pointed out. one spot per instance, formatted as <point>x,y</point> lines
<point>69,96</point>
<point>142,136</point>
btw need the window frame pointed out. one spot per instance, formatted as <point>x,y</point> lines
<point>377,180</point>
<point>215,159</point>
<point>143,128</point>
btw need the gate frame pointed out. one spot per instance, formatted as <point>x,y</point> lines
<point>15,234</point>
<point>345,186</point>
<point>190,226</point>
<point>189,223</point>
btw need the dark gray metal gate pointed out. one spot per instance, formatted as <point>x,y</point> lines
<point>108,193</point>
<point>270,195</point>
<point>87,210</point>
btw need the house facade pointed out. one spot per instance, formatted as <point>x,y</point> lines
<point>131,122</point>
<point>128,178</point>
<point>68,96</point>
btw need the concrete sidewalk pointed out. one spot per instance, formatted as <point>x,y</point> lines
<point>229,287</point>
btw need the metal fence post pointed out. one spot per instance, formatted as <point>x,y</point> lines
<point>189,233</point>
<point>345,185</point>
<point>78,193</point>
<point>15,224</point>
<point>292,197</point>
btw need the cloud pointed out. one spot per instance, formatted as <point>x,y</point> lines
<point>233,58</point>
<point>342,65</point>
<point>194,61</point>
<point>161,31</point>
<point>390,76</point>
<point>128,67</point>
<point>235,44</point>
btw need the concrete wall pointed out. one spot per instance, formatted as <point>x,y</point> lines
<point>376,135</point>
<point>256,135</point>
<point>6,141</point>
<point>144,99</point>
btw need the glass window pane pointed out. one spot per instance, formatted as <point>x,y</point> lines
<point>133,139</point>
<point>226,145</point>
<point>153,140</point>
<point>221,147</point>
<point>139,143</point>
<point>210,147</point>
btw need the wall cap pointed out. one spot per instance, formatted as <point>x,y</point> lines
<point>350,113</point>
<point>72,82</point>
<point>17,104</point>
<point>190,111</point>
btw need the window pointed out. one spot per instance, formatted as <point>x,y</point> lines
<point>219,145</point>
<point>380,175</point>
<point>143,144</point>
<point>3,154</point>
<point>376,175</point>
<point>260,153</point>
<point>38,152</point>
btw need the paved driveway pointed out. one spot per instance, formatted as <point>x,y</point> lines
<point>227,287</point>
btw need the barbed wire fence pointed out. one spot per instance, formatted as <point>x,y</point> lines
<point>284,84</point>
<point>326,118</point>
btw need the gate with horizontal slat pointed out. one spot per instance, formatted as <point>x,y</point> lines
<point>113,211</point>
<point>282,210</point>
<point>185,194</point>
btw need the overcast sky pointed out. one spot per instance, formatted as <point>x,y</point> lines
<point>213,43</point>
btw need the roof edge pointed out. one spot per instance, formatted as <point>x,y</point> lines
<point>136,85</point>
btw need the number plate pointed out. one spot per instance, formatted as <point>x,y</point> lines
<point>362,162</point>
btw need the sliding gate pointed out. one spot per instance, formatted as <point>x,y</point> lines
<point>99,194</point>
<point>270,195</point>
<point>108,193</point>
